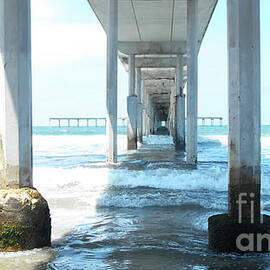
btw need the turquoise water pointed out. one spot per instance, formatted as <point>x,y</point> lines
<point>202,130</point>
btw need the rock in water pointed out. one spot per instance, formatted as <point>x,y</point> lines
<point>25,221</point>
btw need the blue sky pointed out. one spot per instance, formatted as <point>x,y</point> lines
<point>69,63</point>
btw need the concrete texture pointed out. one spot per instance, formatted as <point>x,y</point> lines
<point>180,123</point>
<point>180,106</point>
<point>244,213</point>
<point>132,122</point>
<point>139,106</point>
<point>139,123</point>
<point>111,91</point>
<point>244,104</point>
<point>192,81</point>
<point>15,94</point>
<point>154,26</point>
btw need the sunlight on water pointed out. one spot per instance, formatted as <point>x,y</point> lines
<point>149,213</point>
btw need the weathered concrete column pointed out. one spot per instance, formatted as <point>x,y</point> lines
<point>143,92</point>
<point>243,217</point>
<point>157,123</point>
<point>192,80</point>
<point>132,107</point>
<point>111,92</point>
<point>15,95</point>
<point>244,104</point>
<point>173,113</point>
<point>180,106</point>
<point>147,113</point>
<point>152,120</point>
<point>25,215</point>
<point>139,105</point>
<point>150,123</point>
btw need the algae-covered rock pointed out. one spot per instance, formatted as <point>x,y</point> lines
<point>25,221</point>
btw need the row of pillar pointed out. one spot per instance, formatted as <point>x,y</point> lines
<point>244,105</point>
<point>135,108</point>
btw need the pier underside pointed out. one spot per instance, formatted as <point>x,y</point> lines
<point>158,44</point>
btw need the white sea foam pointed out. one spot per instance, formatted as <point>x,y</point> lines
<point>25,260</point>
<point>62,145</point>
<point>214,178</point>
<point>75,192</point>
<point>222,139</point>
<point>91,187</point>
<point>158,140</point>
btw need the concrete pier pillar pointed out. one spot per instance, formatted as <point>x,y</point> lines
<point>139,123</point>
<point>139,106</point>
<point>15,94</point>
<point>243,218</point>
<point>132,107</point>
<point>172,126</point>
<point>180,106</point>
<point>132,123</point>
<point>244,103</point>
<point>192,80</point>
<point>111,93</point>
<point>157,123</point>
<point>144,105</point>
<point>25,216</point>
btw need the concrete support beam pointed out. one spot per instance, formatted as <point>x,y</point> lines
<point>244,217</point>
<point>180,106</point>
<point>132,107</point>
<point>131,76</point>
<point>139,107</point>
<point>22,207</point>
<point>140,123</point>
<point>192,80</point>
<point>142,47</point>
<point>180,122</point>
<point>157,123</point>
<point>244,105</point>
<point>132,123</point>
<point>112,54</point>
<point>172,114</point>
<point>157,73</point>
<point>15,95</point>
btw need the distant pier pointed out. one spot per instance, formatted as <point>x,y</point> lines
<point>95,121</point>
<point>84,121</point>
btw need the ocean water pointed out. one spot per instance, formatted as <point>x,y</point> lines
<point>148,213</point>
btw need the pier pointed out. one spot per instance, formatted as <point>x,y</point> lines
<point>86,120</point>
<point>158,44</point>
<point>122,120</point>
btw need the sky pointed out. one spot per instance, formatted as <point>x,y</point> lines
<point>69,63</point>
